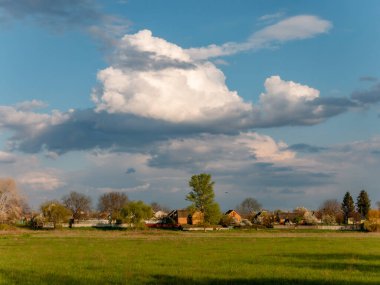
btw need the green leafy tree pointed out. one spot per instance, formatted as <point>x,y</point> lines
<point>348,207</point>
<point>136,212</point>
<point>202,196</point>
<point>363,204</point>
<point>213,214</point>
<point>55,212</point>
<point>79,204</point>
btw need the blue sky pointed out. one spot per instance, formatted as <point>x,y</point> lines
<point>278,100</point>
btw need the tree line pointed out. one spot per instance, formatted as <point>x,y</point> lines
<point>113,206</point>
<point>117,208</point>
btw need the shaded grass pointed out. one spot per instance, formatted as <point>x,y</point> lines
<point>162,257</point>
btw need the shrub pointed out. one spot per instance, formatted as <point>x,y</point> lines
<point>371,227</point>
<point>328,219</point>
<point>226,221</point>
<point>373,222</point>
<point>6,227</point>
<point>310,219</point>
<point>36,222</point>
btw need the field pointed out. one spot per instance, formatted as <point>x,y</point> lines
<point>170,257</point>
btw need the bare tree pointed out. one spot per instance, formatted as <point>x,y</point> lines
<point>249,207</point>
<point>331,211</point>
<point>79,204</point>
<point>10,201</point>
<point>112,203</point>
<point>158,207</point>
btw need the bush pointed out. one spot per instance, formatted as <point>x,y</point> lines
<point>37,222</point>
<point>6,227</point>
<point>373,222</point>
<point>226,221</point>
<point>310,219</point>
<point>328,220</point>
<point>371,227</point>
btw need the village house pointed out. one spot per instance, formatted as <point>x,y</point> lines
<point>236,218</point>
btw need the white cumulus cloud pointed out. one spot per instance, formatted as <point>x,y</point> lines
<point>161,82</point>
<point>288,102</point>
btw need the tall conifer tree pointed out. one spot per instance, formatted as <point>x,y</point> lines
<point>348,206</point>
<point>363,204</point>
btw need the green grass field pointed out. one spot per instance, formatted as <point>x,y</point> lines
<point>165,257</point>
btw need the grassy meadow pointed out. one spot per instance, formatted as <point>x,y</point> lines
<point>174,257</point>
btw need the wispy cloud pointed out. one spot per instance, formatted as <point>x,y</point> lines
<point>271,17</point>
<point>306,148</point>
<point>292,28</point>
<point>60,15</point>
<point>368,78</point>
<point>368,96</point>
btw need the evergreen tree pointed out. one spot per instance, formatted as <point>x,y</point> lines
<point>363,204</point>
<point>348,206</point>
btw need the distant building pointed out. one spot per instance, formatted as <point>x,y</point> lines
<point>184,217</point>
<point>234,215</point>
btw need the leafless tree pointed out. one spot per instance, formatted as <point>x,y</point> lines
<point>79,204</point>
<point>331,211</point>
<point>158,207</point>
<point>112,203</point>
<point>248,207</point>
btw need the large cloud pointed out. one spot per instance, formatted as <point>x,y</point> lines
<point>213,152</point>
<point>133,128</point>
<point>152,78</point>
<point>156,79</point>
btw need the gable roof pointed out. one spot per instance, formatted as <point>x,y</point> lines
<point>179,213</point>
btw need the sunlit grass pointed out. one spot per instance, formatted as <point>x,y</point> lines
<point>164,257</point>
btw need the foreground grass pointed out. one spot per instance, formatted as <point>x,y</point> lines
<point>164,257</point>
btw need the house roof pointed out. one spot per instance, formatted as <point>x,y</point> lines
<point>179,213</point>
